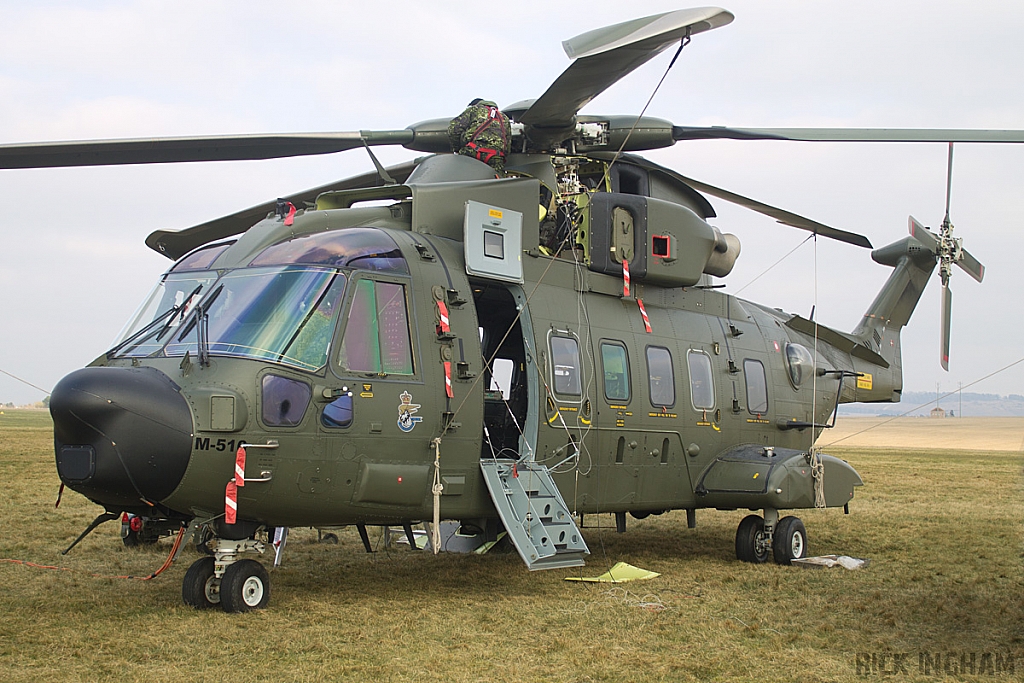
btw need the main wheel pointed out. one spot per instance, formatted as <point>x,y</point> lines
<point>245,586</point>
<point>200,588</point>
<point>750,546</point>
<point>789,542</point>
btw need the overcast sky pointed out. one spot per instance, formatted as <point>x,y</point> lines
<point>73,266</point>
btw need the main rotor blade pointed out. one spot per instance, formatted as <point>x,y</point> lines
<point>949,179</point>
<point>847,134</point>
<point>176,243</point>
<point>605,55</point>
<point>781,215</point>
<point>947,306</point>
<point>205,148</point>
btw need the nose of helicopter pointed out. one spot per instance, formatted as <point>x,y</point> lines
<point>121,435</point>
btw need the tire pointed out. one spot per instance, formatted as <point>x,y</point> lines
<point>750,531</point>
<point>130,539</point>
<point>134,539</point>
<point>200,588</point>
<point>789,542</point>
<point>244,587</point>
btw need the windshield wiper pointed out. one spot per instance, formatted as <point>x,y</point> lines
<point>200,310</point>
<point>182,307</point>
<point>167,315</point>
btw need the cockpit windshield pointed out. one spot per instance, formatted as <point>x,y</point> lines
<point>282,308</point>
<point>282,314</point>
<point>161,314</point>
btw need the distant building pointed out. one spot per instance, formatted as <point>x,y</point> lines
<point>938,412</point>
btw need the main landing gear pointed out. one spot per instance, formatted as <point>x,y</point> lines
<point>783,539</point>
<point>236,584</point>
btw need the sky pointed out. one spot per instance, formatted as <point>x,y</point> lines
<point>73,264</point>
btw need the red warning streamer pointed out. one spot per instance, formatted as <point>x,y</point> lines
<point>442,309</point>
<point>290,218</point>
<point>643,312</point>
<point>448,379</point>
<point>625,277</point>
<point>230,502</point>
<point>240,466</point>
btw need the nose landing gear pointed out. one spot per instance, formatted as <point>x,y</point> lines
<point>236,584</point>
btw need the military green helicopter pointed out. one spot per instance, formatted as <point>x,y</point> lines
<point>432,342</point>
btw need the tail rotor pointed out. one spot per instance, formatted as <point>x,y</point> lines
<point>949,251</point>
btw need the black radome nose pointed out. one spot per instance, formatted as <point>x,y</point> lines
<point>121,435</point>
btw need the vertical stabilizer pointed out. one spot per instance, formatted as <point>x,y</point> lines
<point>879,330</point>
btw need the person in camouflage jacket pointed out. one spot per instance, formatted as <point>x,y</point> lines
<point>482,132</point>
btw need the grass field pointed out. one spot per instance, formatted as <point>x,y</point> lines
<point>942,529</point>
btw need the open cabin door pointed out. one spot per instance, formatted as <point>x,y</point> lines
<point>528,502</point>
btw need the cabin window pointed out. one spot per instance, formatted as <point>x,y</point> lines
<point>757,387</point>
<point>494,245</point>
<point>662,377</point>
<point>377,332</point>
<point>565,366</point>
<point>702,386</point>
<point>502,370</point>
<point>284,401</point>
<point>616,372</point>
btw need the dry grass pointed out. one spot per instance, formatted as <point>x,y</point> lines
<point>942,529</point>
<point>916,433</point>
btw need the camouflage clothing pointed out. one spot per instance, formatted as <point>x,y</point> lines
<point>482,132</point>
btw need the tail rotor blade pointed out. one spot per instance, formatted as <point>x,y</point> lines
<point>947,305</point>
<point>923,235</point>
<point>971,265</point>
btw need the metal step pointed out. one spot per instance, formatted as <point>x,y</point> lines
<point>534,514</point>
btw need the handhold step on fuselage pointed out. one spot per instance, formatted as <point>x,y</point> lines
<point>534,514</point>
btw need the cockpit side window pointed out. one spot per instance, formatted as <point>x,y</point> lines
<point>376,336</point>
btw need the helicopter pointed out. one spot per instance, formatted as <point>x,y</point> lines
<point>403,346</point>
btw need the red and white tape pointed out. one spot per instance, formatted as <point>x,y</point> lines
<point>442,311</point>
<point>643,312</point>
<point>230,502</point>
<point>240,466</point>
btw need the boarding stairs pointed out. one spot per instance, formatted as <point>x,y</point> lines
<point>533,512</point>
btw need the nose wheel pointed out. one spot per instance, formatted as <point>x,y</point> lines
<point>201,587</point>
<point>759,538</point>
<point>244,587</point>
<point>227,580</point>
